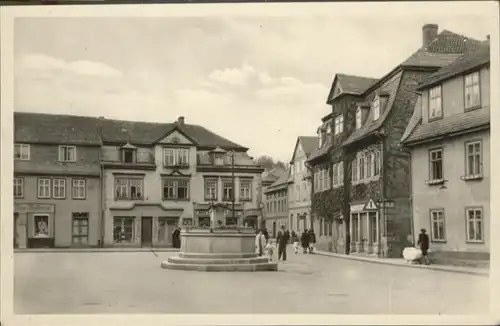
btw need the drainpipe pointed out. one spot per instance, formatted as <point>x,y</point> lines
<point>412,224</point>
<point>383,227</point>
<point>101,201</point>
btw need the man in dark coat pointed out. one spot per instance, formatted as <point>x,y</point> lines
<point>282,240</point>
<point>312,240</point>
<point>423,242</point>
<point>176,238</point>
<point>304,240</point>
<point>266,235</point>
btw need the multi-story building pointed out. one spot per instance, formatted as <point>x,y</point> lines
<point>376,170</point>
<point>161,175</point>
<point>154,177</point>
<point>276,205</point>
<point>56,181</point>
<point>449,140</point>
<point>331,194</point>
<point>299,184</point>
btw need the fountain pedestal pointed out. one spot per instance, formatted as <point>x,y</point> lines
<point>219,249</point>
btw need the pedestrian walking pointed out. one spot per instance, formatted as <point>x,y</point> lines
<point>295,242</point>
<point>423,243</point>
<point>282,240</point>
<point>260,243</point>
<point>312,241</point>
<point>266,235</point>
<point>304,239</point>
<point>270,250</point>
<point>176,238</point>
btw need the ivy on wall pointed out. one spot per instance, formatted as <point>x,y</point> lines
<point>326,203</point>
<point>363,191</point>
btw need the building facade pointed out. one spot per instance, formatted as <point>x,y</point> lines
<point>56,181</point>
<point>276,206</point>
<point>331,195</point>
<point>449,140</point>
<point>299,185</point>
<point>140,181</point>
<point>268,177</point>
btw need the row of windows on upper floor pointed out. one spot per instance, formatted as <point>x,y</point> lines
<point>472,96</point>
<point>365,167</point>
<point>127,188</point>
<point>276,206</point>
<point>338,121</point>
<point>473,164</point>
<point>171,156</point>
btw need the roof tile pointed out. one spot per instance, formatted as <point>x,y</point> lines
<point>451,124</point>
<point>352,84</point>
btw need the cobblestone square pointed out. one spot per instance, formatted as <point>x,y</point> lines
<point>117,283</point>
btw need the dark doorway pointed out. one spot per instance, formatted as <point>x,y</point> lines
<point>274,229</point>
<point>146,231</point>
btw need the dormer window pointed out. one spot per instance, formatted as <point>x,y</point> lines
<point>320,137</point>
<point>219,159</point>
<point>435,103</point>
<point>128,153</point>
<point>376,108</point>
<point>339,124</point>
<point>358,118</point>
<point>328,128</point>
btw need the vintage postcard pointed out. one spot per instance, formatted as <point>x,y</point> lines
<point>316,163</point>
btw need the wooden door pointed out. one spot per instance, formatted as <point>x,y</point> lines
<point>146,231</point>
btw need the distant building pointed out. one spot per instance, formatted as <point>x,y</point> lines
<point>449,140</point>
<point>90,181</point>
<point>268,177</point>
<point>276,205</point>
<point>299,186</point>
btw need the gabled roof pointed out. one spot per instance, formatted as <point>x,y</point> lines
<point>71,129</point>
<point>350,84</point>
<point>147,133</point>
<point>273,174</point>
<point>55,129</point>
<point>443,50</point>
<point>278,184</point>
<point>454,124</point>
<point>309,145</point>
<point>469,61</point>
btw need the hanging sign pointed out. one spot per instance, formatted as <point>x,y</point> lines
<point>370,206</point>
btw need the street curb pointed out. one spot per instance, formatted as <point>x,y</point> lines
<point>432,267</point>
<point>96,250</point>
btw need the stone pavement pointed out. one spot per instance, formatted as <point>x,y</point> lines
<point>403,263</point>
<point>134,282</point>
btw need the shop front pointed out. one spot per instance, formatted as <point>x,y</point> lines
<point>364,228</point>
<point>144,226</point>
<point>34,225</point>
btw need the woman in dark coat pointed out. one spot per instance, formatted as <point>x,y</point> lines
<point>304,239</point>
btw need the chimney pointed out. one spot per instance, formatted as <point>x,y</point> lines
<point>429,33</point>
<point>180,121</point>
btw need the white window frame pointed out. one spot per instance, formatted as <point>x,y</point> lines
<point>376,108</point>
<point>246,190</point>
<point>354,170</point>
<point>79,189</point>
<point>362,166</point>
<point>438,218</point>
<point>24,152</point>
<point>18,187</point>
<point>477,161</point>
<point>175,184</point>
<point>211,185</point>
<point>369,164</point>
<point>122,220</point>
<point>339,124</point>
<point>65,153</point>
<point>376,163</point>
<point>59,188</point>
<point>43,188</point>
<point>472,90</point>
<point>475,221</point>
<point>125,185</point>
<point>432,160</point>
<point>435,103</point>
<point>226,185</point>
<point>175,156</point>
<point>358,118</point>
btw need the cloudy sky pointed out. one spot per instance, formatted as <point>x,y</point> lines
<point>260,81</point>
